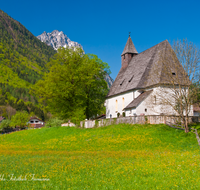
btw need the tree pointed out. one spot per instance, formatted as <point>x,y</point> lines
<point>5,125</point>
<point>180,69</point>
<point>75,82</point>
<point>54,122</point>
<point>20,119</point>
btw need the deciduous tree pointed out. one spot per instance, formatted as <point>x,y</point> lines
<point>20,119</point>
<point>75,82</point>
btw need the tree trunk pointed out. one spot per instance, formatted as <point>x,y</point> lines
<point>186,124</point>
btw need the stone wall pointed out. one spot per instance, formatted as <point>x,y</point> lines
<point>141,119</point>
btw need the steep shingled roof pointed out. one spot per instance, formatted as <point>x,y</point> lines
<point>129,47</point>
<point>156,65</point>
<point>139,99</point>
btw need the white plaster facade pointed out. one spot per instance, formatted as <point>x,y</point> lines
<point>115,104</point>
<point>35,121</point>
<point>152,105</point>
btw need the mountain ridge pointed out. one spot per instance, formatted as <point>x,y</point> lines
<point>57,39</point>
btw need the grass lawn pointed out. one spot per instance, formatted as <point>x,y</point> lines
<point>115,157</point>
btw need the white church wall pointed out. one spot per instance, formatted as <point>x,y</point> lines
<point>155,102</point>
<point>152,105</point>
<point>131,112</point>
<point>112,110</point>
<point>149,106</point>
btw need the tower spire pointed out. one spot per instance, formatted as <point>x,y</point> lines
<point>128,53</point>
<point>129,47</point>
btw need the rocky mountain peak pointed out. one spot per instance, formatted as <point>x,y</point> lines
<point>57,39</point>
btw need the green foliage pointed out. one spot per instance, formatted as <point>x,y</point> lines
<point>54,122</point>
<point>146,119</point>
<point>20,119</point>
<point>96,123</point>
<point>77,116</point>
<point>23,60</point>
<point>75,82</point>
<point>5,124</point>
<point>124,114</point>
<point>118,114</point>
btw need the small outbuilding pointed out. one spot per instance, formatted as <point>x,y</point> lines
<point>35,122</point>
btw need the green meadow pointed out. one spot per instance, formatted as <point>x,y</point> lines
<point>115,157</point>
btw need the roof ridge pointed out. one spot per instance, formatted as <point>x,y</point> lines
<point>153,46</point>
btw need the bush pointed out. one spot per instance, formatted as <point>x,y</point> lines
<point>77,116</point>
<point>54,122</point>
<point>20,119</point>
<point>5,125</point>
<point>118,114</point>
<point>124,114</point>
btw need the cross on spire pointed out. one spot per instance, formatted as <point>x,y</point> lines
<point>129,34</point>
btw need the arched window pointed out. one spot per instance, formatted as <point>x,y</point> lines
<point>122,103</point>
<point>116,106</point>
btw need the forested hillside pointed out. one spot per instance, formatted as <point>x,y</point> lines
<point>23,60</point>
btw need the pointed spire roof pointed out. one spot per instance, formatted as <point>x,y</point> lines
<point>129,47</point>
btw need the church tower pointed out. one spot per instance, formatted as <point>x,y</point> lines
<point>128,53</point>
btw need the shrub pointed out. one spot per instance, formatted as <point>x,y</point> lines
<point>146,119</point>
<point>5,125</point>
<point>20,119</point>
<point>118,114</point>
<point>54,122</point>
<point>96,123</point>
<point>124,114</point>
<point>77,116</point>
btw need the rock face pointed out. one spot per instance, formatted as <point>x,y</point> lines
<point>109,80</point>
<point>57,39</point>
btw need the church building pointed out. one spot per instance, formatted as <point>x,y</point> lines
<point>143,79</point>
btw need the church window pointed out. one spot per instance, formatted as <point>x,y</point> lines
<point>116,106</point>
<point>145,110</point>
<point>122,103</point>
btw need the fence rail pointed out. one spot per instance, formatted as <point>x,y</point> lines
<point>141,119</point>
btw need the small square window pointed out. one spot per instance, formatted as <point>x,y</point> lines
<point>145,110</point>
<point>173,73</point>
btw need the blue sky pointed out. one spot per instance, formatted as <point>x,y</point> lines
<point>102,27</point>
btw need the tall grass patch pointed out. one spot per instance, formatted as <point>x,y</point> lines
<point>114,157</point>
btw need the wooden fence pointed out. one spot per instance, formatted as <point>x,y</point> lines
<point>141,119</point>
